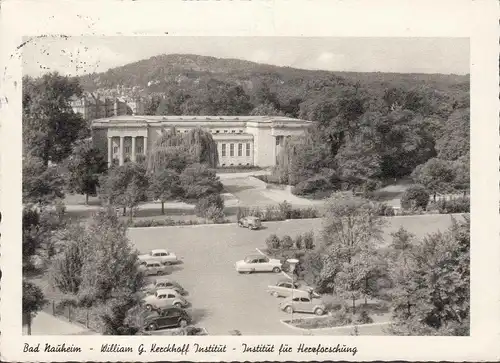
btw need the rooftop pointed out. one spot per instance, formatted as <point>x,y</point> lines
<point>187,118</point>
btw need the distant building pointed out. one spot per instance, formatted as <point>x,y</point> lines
<point>93,106</point>
<point>241,140</point>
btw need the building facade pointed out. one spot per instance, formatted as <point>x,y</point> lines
<point>241,140</point>
<point>92,106</point>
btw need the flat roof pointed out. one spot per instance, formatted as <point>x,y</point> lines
<point>187,118</point>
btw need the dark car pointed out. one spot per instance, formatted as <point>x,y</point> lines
<point>250,222</point>
<point>171,317</point>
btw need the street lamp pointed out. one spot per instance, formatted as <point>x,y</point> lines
<point>292,263</point>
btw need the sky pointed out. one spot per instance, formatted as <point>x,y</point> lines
<point>82,55</point>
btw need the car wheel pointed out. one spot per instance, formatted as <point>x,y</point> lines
<point>183,323</point>
<point>159,273</point>
<point>152,326</point>
<point>178,305</point>
<point>289,309</point>
<point>319,311</point>
<point>275,294</point>
<point>276,269</point>
<point>148,307</point>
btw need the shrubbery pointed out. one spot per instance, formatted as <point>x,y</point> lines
<point>416,196</point>
<point>458,205</point>
<point>278,213</point>
<point>385,210</point>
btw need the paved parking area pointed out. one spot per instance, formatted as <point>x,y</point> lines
<point>223,300</point>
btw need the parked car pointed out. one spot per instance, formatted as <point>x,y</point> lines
<point>303,304</point>
<point>287,288</point>
<point>258,263</point>
<point>163,256</point>
<point>164,298</point>
<point>250,222</point>
<point>163,283</point>
<point>171,317</point>
<point>153,268</point>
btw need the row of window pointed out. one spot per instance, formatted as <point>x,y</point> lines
<point>227,131</point>
<point>231,149</point>
<point>139,149</point>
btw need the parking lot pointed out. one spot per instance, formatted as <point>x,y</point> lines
<point>223,300</point>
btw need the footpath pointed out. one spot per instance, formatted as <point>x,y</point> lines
<point>47,324</point>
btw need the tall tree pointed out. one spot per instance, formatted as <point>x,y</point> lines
<point>85,165</point>
<point>198,181</point>
<point>126,186</point>
<point>455,141</point>
<point>33,302</point>
<point>164,185</point>
<point>41,184</point>
<point>49,124</point>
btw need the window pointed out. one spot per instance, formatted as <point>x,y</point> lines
<point>223,150</point>
<point>115,149</point>
<point>216,131</point>
<point>171,296</point>
<point>241,131</point>
<point>277,140</point>
<point>225,131</point>
<point>248,149</point>
<point>233,131</point>
<point>140,150</point>
<point>127,149</point>
<point>231,149</point>
<point>240,149</point>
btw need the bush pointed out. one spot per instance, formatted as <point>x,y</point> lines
<point>299,243</point>
<point>286,242</point>
<point>285,209</point>
<point>364,318</point>
<point>458,205</point>
<point>308,240</point>
<point>312,185</point>
<point>163,222</point>
<point>203,204</point>
<point>385,210</point>
<point>215,214</point>
<point>416,196</point>
<point>273,242</point>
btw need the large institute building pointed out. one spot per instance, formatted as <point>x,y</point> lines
<point>241,140</point>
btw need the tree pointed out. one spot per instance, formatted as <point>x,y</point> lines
<point>33,301</point>
<point>455,140</point>
<point>49,124</point>
<point>110,268</point>
<point>41,184</point>
<point>85,165</point>
<point>126,186</point>
<point>432,297</point>
<point>266,109</point>
<point>164,185</point>
<point>198,181</point>
<point>436,175</point>
<point>206,207</point>
<point>116,321</point>
<point>416,196</point>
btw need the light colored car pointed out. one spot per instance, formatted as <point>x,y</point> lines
<point>163,283</point>
<point>164,298</point>
<point>250,222</point>
<point>149,268</point>
<point>258,263</point>
<point>303,304</point>
<point>287,288</point>
<point>163,256</point>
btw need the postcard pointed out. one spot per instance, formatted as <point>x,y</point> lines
<point>249,181</point>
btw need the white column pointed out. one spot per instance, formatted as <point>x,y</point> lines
<point>133,149</point>
<point>145,146</point>
<point>121,150</point>
<point>110,151</point>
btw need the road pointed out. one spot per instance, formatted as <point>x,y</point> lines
<point>224,300</point>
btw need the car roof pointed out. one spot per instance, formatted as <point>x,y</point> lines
<point>286,280</point>
<point>159,250</point>
<point>255,256</point>
<point>252,217</point>
<point>166,291</point>
<point>162,280</point>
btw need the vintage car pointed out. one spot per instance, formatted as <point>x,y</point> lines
<point>163,283</point>
<point>258,263</point>
<point>164,298</point>
<point>149,268</point>
<point>171,317</point>
<point>250,222</point>
<point>163,256</point>
<point>287,288</point>
<point>303,304</point>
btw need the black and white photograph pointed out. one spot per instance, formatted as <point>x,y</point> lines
<point>181,185</point>
<point>276,194</point>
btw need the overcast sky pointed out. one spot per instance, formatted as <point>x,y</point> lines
<point>81,55</point>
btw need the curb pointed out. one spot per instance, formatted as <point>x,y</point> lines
<point>332,328</point>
